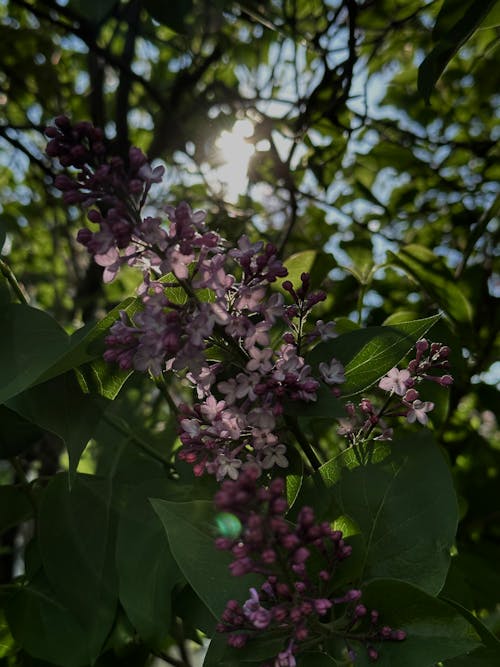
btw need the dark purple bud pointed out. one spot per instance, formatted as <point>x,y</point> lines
<point>360,611</point>
<point>301,555</point>
<point>421,345</point>
<point>322,605</point>
<point>84,236</point>
<point>62,122</point>
<point>237,641</point>
<point>411,395</point>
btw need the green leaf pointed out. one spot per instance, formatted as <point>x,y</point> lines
<point>404,505</point>
<point>93,10</point>
<point>87,344</point>
<point>315,262</point>
<point>31,343</point>
<point>481,657</point>
<point>190,533</point>
<point>16,433</point>
<point>102,378</point>
<point>15,507</point>
<point>493,18</point>
<point>171,14</point>
<point>44,627</point>
<point>452,35</point>
<point>316,659</point>
<point>77,546</point>
<point>60,406</point>
<point>255,651</point>
<point>368,354</point>
<point>435,631</point>
<point>326,406</point>
<point>436,279</point>
<point>142,546</point>
<point>487,637</point>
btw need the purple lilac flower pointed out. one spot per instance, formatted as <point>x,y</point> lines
<point>396,381</point>
<point>298,590</point>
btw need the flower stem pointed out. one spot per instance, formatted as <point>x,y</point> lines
<point>12,280</point>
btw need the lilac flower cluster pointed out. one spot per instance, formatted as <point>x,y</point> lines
<point>366,421</point>
<point>199,296</point>
<point>112,191</point>
<point>298,597</point>
<point>430,357</point>
<point>233,424</point>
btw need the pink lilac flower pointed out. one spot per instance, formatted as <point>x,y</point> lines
<point>325,330</point>
<point>418,412</point>
<point>333,372</point>
<point>396,381</point>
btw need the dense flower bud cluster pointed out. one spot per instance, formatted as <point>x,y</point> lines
<point>298,597</point>
<point>113,191</point>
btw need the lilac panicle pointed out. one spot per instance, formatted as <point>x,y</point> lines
<point>298,591</point>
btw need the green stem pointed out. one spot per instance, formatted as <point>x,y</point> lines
<point>12,280</point>
<point>162,386</point>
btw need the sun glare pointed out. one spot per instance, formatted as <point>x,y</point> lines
<point>235,153</point>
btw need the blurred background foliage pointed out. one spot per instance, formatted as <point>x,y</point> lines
<point>398,195</point>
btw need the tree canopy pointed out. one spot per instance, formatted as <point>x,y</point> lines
<point>360,139</point>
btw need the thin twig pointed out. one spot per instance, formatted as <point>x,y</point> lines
<point>12,280</point>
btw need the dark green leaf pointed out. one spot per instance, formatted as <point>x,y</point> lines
<point>77,545</point>
<point>436,279</point>
<point>326,406</point>
<point>44,627</point>
<point>435,631</point>
<point>191,536</point>
<point>452,35</point>
<point>404,505</point>
<point>87,344</point>
<point>171,14</point>
<point>219,653</point>
<point>310,659</point>
<point>94,11</point>
<point>493,18</point>
<point>314,262</point>
<point>142,546</point>
<point>31,343</point>
<point>60,406</point>
<point>15,507</point>
<point>16,433</point>
<point>481,657</point>
<point>367,354</point>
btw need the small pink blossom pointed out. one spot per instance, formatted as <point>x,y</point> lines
<point>333,372</point>
<point>226,467</point>
<point>326,330</point>
<point>418,412</point>
<point>275,456</point>
<point>396,381</point>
